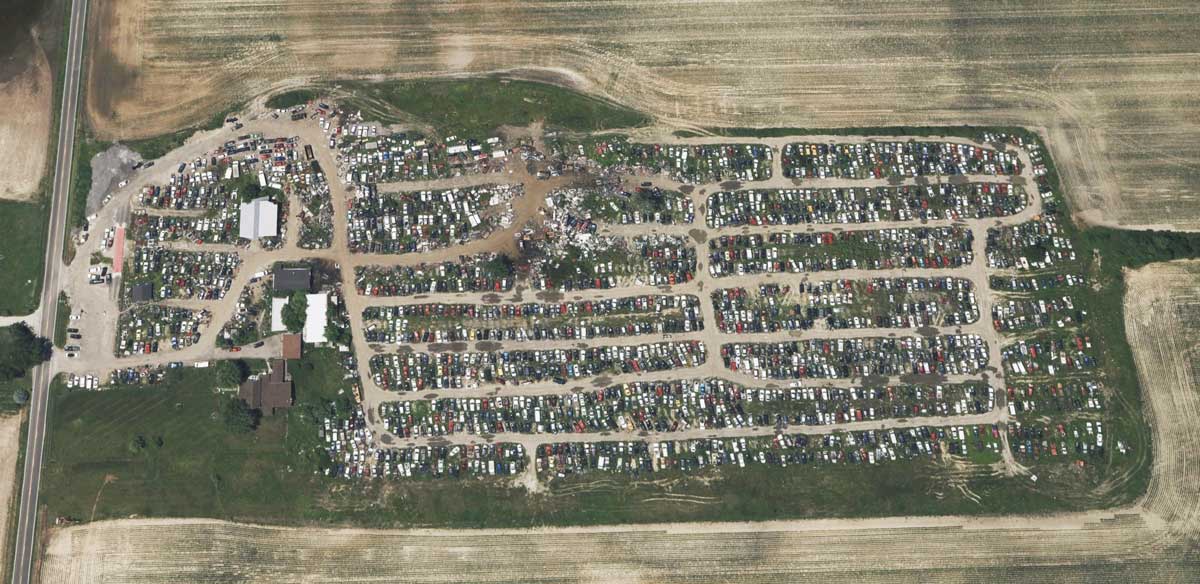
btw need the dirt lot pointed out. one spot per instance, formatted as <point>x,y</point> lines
<point>1113,86</point>
<point>1151,541</point>
<point>25,95</point>
<point>10,442</point>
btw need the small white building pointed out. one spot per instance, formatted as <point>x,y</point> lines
<point>277,305</point>
<point>315,318</point>
<point>259,218</point>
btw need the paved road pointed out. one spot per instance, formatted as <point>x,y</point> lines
<point>31,480</point>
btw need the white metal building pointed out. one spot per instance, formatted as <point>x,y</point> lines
<point>259,218</point>
<point>315,318</point>
<point>277,305</point>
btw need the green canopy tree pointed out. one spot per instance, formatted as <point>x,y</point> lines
<point>294,311</point>
<point>231,372</point>
<point>21,350</point>
<point>238,416</point>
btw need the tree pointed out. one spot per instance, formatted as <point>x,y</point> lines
<point>21,350</point>
<point>337,331</point>
<point>238,416</point>
<point>337,334</point>
<point>500,266</point>
<point>294,311</point>
<point>250,191</point>
<point>20,396</point>
<point>231,372</point>
<point>137,444</point>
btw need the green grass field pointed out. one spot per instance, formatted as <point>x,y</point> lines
<point>62,320</point>
<point>7,404</point>
<point>22,258</point>
<point>291,98</point>
<point>191,464</point>
<point>475,107</point>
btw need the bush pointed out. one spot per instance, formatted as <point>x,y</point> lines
<point>232,372</point>
<point>20,397</point>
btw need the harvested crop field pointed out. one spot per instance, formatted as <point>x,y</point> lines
<point>26,90</point>
<point>1113,87</point>
<point>1162,317</point>
<point>1151,541</point>
<point>10,445</point>
<point>210,551</point>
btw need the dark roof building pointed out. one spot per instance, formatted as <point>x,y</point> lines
<point>290,279</point>
<point>292,347</point>
<point>268,392</point>
<point>143,292</point>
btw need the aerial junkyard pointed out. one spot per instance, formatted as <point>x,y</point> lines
<point>601,291</point>
<point>532,310</point>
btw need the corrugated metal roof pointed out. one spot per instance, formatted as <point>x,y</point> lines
<point>259,218</point>
<point>315,318</point>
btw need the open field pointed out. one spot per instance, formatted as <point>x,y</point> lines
<point>21,257</point>
<point>1153,540</point>
<point>1113,86</point>
<point>25,126</point>
<point>10,435</point>
<point>474,107</point>
<point>10,429</point>
<point>1162,317</point>
<point>30,63</point>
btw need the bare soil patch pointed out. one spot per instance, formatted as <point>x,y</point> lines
<point>25,125</point>
<point>1162,319</point>
<point>10,444</point>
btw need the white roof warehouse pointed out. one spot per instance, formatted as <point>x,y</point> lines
<point>315,318</point>
<point>259,218</point>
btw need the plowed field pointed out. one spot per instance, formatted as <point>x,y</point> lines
<point>1112,86</point>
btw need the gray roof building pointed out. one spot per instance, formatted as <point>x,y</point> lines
<point>143,292</point>
<point>290,279</point>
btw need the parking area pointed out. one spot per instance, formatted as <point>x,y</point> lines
<point>863,205</point>
<point>426,371</point>
<point>894,159</point>
<point>481,273</point>
<point>691,164</point>
<point>408,222</point>
<point>981,442</point>
<point>797,252</point>
<point>183,275</point>
<point>846,304</point>
<point>373,155</point>
<point>150,328</point>
<point>680,406</point>
<point>858,357</point>
<point>606,318</point>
